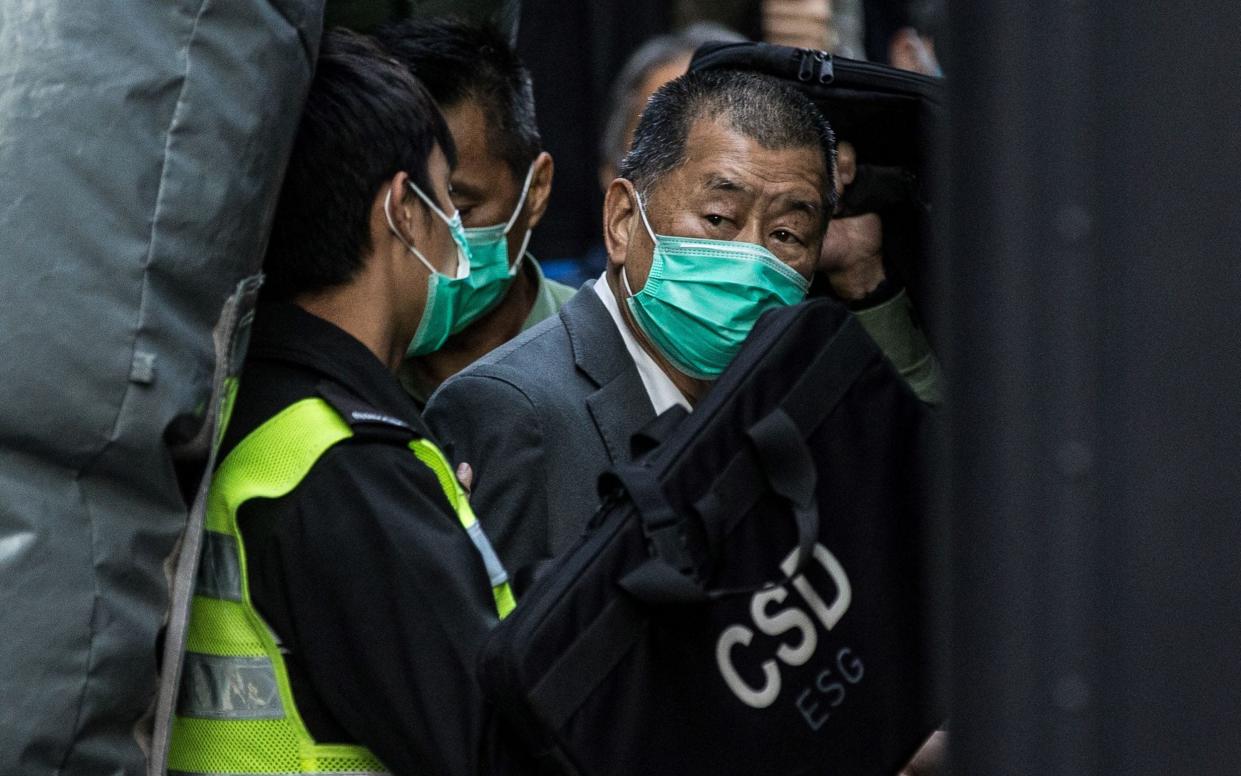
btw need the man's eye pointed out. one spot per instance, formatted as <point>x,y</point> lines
<point>785,236</point>
<point>714,219</point>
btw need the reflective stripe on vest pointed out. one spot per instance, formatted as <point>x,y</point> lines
<point>430,455</point>
<point>298,773</point>
<point>235,710</point>
<point>265,773</point>
<point>219,568</point>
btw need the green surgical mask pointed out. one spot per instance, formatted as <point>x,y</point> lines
<point>702,298</point>
<point>489,263</point>
<point>445,294</point>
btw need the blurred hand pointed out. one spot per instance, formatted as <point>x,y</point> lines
<point>910,51</point>
<point>852,255</point>
<point>800,23</point>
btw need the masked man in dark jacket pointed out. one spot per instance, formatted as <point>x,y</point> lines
<point>345,585</point>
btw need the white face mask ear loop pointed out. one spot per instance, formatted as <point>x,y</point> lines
<point>521,255</point>
<point>649,230</point>
<point>645,222</point>
<point>463,259</point>
<point>397,232</point>
<point>525,191</point>
<point>463,263</point>
<point>525,241</point>
<point>625,280</point>
<point>429,202</point>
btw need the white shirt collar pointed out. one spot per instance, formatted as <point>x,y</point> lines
<point>663,393</point>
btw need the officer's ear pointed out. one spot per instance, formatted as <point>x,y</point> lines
<point>393,210</point>
<point>620,215</point>
<point>540,188</point>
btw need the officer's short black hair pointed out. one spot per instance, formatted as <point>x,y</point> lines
<point>460,60</point>
<point>365,120</point>
<point>757,106</point>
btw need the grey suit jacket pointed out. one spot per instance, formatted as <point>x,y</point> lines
<point>539,419</point>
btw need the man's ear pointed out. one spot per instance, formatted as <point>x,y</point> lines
<point>619,214</point>
<point>393,209</point>
<point>390,211</point>
<point>540,189</point>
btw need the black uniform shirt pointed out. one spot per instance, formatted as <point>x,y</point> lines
<point>363,570</point>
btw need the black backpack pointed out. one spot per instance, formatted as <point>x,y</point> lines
<point>747,598</point>
<point>894,119</point>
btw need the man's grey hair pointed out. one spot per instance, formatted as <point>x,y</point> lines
<point>649,57</point>
<point>759,107</point>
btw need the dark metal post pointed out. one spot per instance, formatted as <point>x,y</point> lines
<point>1092,322</point>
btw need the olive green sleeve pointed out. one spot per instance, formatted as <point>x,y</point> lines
<point>892,326</point>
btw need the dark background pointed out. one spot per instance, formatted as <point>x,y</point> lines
<point>574,50</point>
<point>1095,479</point>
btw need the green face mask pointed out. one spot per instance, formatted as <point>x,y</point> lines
<point>445,294</point>
<point>702,298</point>
<point>489,265</point>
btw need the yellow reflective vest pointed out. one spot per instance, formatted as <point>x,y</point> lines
<point>235,710</point>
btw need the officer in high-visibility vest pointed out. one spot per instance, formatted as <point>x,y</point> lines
<point>345,586</point>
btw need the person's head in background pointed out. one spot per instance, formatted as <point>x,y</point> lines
<point>349,218</point>
<point>743,162</point>
<point>912,46</point>
<point>650,66</point>
<point>503,177</point>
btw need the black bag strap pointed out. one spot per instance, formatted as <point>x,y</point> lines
<point>668,575</point>
<point>816,72</point>
<point>805,65</point>
<point>653,434</point>
<point>788,465</point>
<point>821,387</point>
<point>811,400</point>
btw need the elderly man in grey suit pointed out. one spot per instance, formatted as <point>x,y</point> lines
<point>718,215</point>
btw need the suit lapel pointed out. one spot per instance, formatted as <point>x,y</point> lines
<point>621,406</point>
<point>619,409</point>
